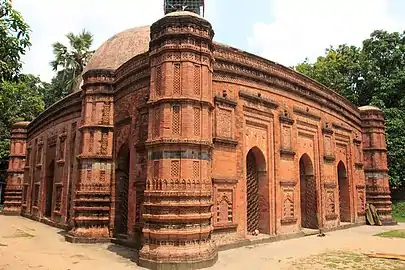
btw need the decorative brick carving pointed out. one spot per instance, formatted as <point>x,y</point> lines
<point>58,198</point>
<point>91,141</point>
<point>176,120</point>
<point>177,78</point>
<point>106,113</point>
<point>197,121</point>
<point>224,208</point>
<point>196,169</point>
<point>197,80</point>
<point>158,81</point>
<point>104,142</point>
<point>175,169</point>
<point>156,122</point>
<point>224,123</point>
<point>288,204</point>
<point>156,169</point>
<point>330,201</point>
<point>286,137</point>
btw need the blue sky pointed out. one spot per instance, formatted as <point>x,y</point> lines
<point>285,31</point>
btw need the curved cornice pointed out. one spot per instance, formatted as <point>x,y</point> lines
<point>63,107</point>
<point>308,88</point>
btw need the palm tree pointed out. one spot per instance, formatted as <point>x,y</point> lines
<point>71,60</point>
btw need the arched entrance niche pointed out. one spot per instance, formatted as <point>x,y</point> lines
<point>344,198</point>
<point>49,188</point>
<point>121,190</point>
<point>308,197</point>
<point>257,192</point>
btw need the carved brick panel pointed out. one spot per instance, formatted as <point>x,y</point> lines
<point>288,215</point>
<point>224,203</point>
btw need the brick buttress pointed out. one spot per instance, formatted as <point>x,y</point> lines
<point>177,208</point>
<point>375,162</point>
<point>91,209</point>
<point>14,187</point>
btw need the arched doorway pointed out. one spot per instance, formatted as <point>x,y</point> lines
<point>308,196</point>
<point>49,188</point>
<point>257,204</point>
<point>344,206</point>
<point>121,191</point>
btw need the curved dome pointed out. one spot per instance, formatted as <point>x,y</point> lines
<point>117,50</point>
<point>120,48</point>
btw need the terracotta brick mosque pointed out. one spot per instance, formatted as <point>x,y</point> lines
<point>181,146</point>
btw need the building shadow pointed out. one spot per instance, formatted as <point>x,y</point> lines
<point>125,252</point>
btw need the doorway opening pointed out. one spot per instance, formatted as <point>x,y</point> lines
<point>309,208</point>
<point>257,192</point>
<point>122,189</point>
<point>49,188</point>
<point>344,206</point>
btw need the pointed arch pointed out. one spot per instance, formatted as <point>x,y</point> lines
<point>257,192</point>
<point>344,196</point>
<point>308,194</point>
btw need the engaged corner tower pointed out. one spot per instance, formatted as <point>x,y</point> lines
<point>177,207</point>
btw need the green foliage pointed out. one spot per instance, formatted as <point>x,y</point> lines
<point>14,41</point>
<point>398,211</point>
<point>373,74</point>
<point>19,101</point>
<point>70,61</point>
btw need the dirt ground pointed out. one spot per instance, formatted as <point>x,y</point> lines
<point>25,244</point>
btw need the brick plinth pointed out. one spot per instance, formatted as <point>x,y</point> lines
<point>14,188</point>
<point>91,208</point>
<point>177,207</point>
<point>375,162</point>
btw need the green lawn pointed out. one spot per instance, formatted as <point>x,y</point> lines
<point>393,234</point>
<point>398,211</point>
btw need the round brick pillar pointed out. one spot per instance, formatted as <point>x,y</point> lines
<point>92,198</point>
<point>375,162</point>
<point>14,186</point>
<point>177,207</point>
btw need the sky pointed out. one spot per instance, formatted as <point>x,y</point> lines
<point>284,31</point>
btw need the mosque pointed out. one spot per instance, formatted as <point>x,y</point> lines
<point>181,146</point>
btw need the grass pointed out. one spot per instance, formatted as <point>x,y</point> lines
<point>393,234</point>
<point>398,211</point>
<point>346,260</point>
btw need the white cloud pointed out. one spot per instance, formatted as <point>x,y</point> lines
<point>305,28</point>
<point>51,20</point>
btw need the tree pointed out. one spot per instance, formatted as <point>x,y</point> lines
<point>373,74</point>
<point>19,101</point>
<point>14,41</point>
<point>71,60</point>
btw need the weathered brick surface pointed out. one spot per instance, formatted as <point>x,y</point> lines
<point>156,152</point>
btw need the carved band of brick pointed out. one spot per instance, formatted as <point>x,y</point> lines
<point>306,113</point>
<point>184,154</point>
<point>288,220</point>
<point>226,101</point>
<point>226,141</point>
<point>341,127</point>
<point>360,186</point>
<point>374,149</point>
<point>331,216</point>
<point>172,100</point>
<point>199,143</point>
<point>287,152</point>
<point>288,183</point>
<point>224,180</point>
<point>329,158</point>
<point>358,165</point>
<point>327,130</point>
<point>258,98</point>
<point>356,141</point>
<point>329,185</point>
<point>286,120</point>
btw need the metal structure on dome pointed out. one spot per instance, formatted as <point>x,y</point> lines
<point>196,6</point>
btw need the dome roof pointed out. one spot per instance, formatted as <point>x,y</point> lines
<point>369,108</point>
<point>120,48</point>
<point>117,50</point>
